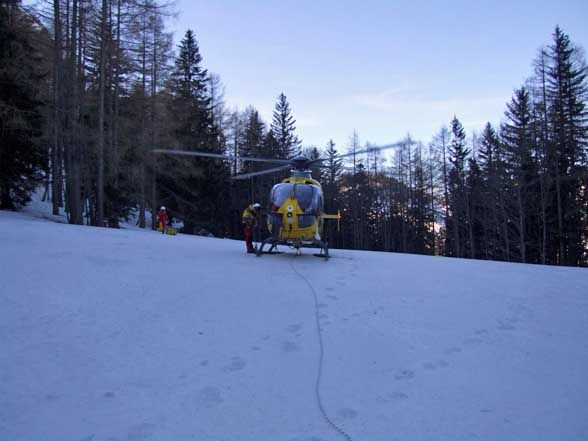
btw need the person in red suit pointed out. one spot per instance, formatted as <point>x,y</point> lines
<point>163,219</point>
<point>249,219</point>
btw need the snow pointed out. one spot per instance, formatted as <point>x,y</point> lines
<point>126,335</point>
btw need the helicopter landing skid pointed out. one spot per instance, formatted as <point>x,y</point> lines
<point>324,250</point>
<point>272,249</point>
<point>323,246</point>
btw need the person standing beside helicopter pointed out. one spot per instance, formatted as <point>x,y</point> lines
<point>249,219</point>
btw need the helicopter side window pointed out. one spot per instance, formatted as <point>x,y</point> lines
<point>280,193</point>
<point>308,197</point>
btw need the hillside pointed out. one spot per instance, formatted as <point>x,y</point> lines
<point>116,335</point>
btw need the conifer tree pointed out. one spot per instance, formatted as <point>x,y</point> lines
<point>202,181</point>
<point>567,91</point>
<point>476,210</point>
<point>495,226</point>
<point>21,118</point>
<point>458,152</point>
<point>517,135</point>
<point>331,183</point>
<point>191,103</point>
<point>254,141</point>
<point>284,128</point>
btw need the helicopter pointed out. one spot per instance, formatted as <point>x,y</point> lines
<point>296,215</point>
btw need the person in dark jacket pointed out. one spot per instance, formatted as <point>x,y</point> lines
<point>249,219</point>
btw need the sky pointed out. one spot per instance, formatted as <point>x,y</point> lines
<point>383,68</point>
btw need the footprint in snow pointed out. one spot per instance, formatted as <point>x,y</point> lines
<point>405,374</point>
<point>398,396</point>
<point>429,365</point>
<point>237,363</point>
<point>289,346</point>
<point>209,396</point>
<point>472,341</point>
<point>141,432</point>
<point>506,325</point>
<point>294,327</point>
<point>452,350</point>
<point>392,397</point>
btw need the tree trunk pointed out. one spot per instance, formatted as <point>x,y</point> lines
<point>101,96</point>
<point>521,224</point>
<point>56,147</point>
<point>154,79</point>
<point>446,193</point>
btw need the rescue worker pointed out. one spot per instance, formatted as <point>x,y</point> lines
<point>249,220</point>
<point>162,218</point>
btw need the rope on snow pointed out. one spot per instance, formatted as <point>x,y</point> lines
<point>317,383</point>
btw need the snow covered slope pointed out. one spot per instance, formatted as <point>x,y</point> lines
<point>118,335</point>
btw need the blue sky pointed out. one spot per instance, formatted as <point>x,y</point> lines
<point>383,68</point>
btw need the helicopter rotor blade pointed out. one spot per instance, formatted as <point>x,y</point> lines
<point>395,145</point>
<point>218,156</point>
<point>261,172</point>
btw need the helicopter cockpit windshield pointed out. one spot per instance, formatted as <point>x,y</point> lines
<point>309,196</point>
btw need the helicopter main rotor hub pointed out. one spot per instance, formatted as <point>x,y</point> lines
<point>300,163</point>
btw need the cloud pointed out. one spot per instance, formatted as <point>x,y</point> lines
<point>307,121</point>
<point>403,100</point>
<point>409,109</point>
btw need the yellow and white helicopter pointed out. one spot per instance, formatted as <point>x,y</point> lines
<point>296,212</point>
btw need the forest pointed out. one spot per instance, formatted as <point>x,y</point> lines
<point>89,88</point>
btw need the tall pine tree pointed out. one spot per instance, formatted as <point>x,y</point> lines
<point>284,129</point>
<point>458,152</point>
<point>198,186</point>
<point>518,138</point>
<point>567,92</point>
